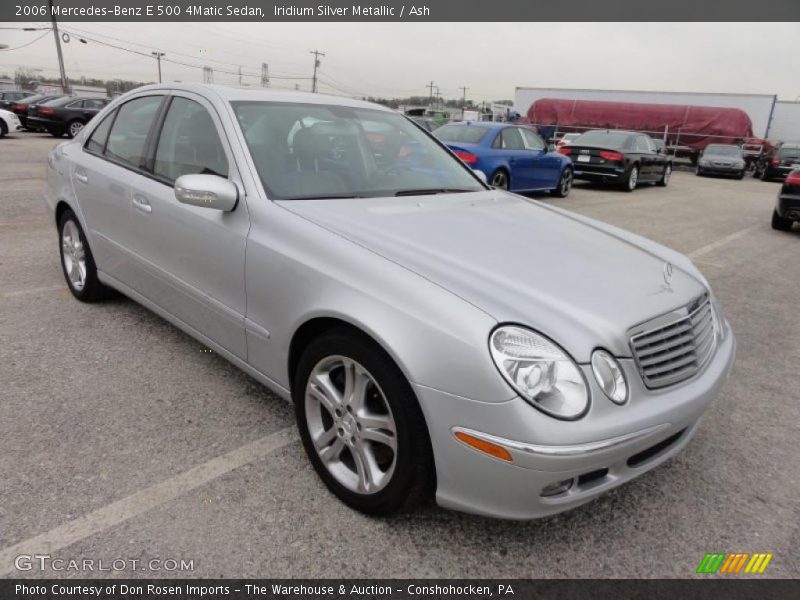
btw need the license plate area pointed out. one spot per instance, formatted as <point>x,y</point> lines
<point>583,158</point>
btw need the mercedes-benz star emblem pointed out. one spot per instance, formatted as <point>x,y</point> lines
<point>668,275</point>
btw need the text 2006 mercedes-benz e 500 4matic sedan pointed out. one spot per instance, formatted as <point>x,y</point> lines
<point>434,334</point>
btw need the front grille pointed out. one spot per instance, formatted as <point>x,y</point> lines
<point>675,346</point>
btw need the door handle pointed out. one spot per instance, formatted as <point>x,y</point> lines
<point>141,203</point>
<point>81,176</point>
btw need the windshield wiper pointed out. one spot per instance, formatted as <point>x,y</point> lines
<point>424,191</point>
<point>324,197</point>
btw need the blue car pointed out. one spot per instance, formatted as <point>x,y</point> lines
<point>512,157</point>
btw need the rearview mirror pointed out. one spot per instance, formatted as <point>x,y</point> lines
<point>207,191</point>
<point>481,175</point>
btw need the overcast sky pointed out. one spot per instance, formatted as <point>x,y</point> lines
<point>399,59</point>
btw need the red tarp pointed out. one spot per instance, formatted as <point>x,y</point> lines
<point>698,125</point>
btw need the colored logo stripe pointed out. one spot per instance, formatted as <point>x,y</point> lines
<point>722,562</point>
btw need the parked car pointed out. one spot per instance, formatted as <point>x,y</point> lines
<point>512,157</point>
<point>21,107</point>
<point>67,114</point>
<point>434,334</point>
<point>721,159</point>
<point>567,139</point>
<point>778,162</point>
<point>9,122</point>
<point>624,157</point>
<point>427,123</point>
<point>9,96</point>
<point>787,209</point>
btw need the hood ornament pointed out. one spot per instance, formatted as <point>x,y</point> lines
<point>668,277</point>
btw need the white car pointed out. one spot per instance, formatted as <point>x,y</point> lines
<point>9,121</point>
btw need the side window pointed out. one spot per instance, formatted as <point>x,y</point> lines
<point>532,141</point>
<point>76,104</point>
<point>189,143</point>
<point>642,145</point>
<point>94,103</point>
<point>127,139</point>
<point>512,140</point>
<point>97,141</point>
<point>497,142</point>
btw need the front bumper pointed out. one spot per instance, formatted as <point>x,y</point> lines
<point>608,447</point>
<point>721,169</point>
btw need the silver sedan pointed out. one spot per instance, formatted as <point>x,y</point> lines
<point>437,337</point>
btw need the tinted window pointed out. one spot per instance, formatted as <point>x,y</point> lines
<point>511,139</point>
<point>723,150</point>
<point>97,141</point>
<point>189,143</point>
<point>306,151</point>
<point>532,141</point>
<point>789,152</point>
<point>76,104</point>
<point>641,144</point>
<point>129,133</point>
<point>95,103</point>
<point>461,133</point>
<point>604,139</point>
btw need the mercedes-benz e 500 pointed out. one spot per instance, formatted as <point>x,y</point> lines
<point>436,336</point>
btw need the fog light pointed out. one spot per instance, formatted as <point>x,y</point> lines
<point>609,376</point>
<point>559,487</point>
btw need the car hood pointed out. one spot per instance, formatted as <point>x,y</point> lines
<point>580,282</point>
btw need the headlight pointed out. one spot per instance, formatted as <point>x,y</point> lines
<point>609,376</point>
<point>539,371</point>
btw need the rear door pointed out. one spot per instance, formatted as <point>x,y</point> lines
<point>104,176</point>
<point>521,161</point>
<point>192,257</point>
<point>648,165</point>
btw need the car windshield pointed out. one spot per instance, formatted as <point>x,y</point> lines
<point>723,150</point>
<point>308,151</point>
<point>790,153</point>
<point>461,133</point>
<point>605,139</point>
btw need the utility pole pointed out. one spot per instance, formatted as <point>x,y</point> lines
<point>158,56</point>
<point>264,75</point>
<point>431,85</point>
<point>464,97</point>
<point>64,80</point>
<point>240,75</point>
<point>316,54</point>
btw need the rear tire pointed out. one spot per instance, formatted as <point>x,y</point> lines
<point>74,128</point>
<point>632,180</point>
<point>665,176</point>
<point>3,129</point>
<point>500,179</point>
<point>364,472</point>
<point>564,184</point>
<point>780,223</point>
<point>77,262</point>
<point>766,175</point>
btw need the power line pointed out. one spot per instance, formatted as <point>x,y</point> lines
<point>28,44</point>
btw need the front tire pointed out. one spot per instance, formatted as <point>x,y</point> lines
<point>632,179</point>
<point>361,424</point>
<point>564,184</point>
<point>780,223</point>
<point>3,129</point>
<point>77,262</point>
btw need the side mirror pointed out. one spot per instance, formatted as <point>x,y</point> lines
<point>207,191</point>
<point>481,175</point>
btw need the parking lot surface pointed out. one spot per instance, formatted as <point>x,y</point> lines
<point>121,439</point>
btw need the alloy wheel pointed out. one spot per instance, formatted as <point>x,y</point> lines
<point>633,179</point>
<point>667,174</point>
<point>73,255</point>
<point>499,180</point>
<point>351,424</point>
<point>75,128</point>
<point>566,182</point>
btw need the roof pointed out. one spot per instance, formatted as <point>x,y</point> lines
<point>232,94</point>
<point>484,124</point>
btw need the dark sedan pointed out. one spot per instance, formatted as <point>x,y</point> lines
<point>624,157</point>
<point>787,209</point>
<point>778,163</point>
<point>721,159</point>
<point>427,123</point>
<point>66,115</point>
<point>20,107</point>
<point>9,96</point>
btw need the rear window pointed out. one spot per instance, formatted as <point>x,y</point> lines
<point>461,133</point>
<point>605,139</point>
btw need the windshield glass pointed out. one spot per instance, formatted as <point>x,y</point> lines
<point>461,133</point>
<point>605,139</point>
<point>789,152</point>
<point>723,150</point>
<point>305,151</point>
